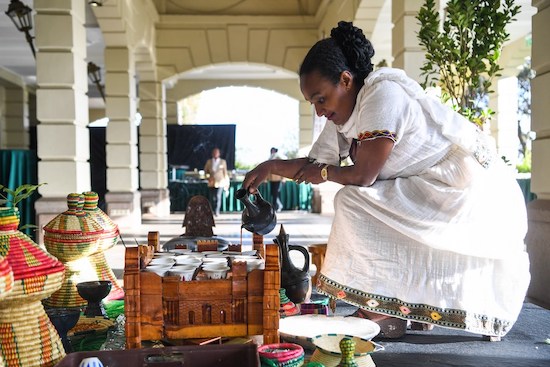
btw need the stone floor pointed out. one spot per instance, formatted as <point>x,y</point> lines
<point>526,345</point>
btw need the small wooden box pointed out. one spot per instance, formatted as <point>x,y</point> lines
<point>159,308</point>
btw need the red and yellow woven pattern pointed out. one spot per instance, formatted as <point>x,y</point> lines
<point>6,278</point>
<point>27,337</point>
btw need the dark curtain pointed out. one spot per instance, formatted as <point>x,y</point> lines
<point>191,145</point>
<point>98,164</point>
<point>19,167</point>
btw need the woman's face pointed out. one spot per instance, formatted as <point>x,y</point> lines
<point>335,102</point>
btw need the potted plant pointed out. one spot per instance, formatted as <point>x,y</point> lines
<point>10,198</point>
<point>462,52</point>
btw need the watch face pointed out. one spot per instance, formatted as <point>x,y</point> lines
<point>324,173</point>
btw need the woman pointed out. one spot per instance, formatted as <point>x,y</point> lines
<point>429,226</point>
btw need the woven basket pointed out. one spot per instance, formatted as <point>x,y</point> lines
<point>110,234</point>
<point>6,277</point>
<point>67,296</point>
<point>28,336</point>
<point>36,274</point>
<point>282,354</point>
<point>72,234</point>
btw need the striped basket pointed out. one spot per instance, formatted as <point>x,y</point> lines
<point>281,355</point>
<point>109,238</point>
<point>110,234</point>
<point>27,336</point>
<point>72,234</point>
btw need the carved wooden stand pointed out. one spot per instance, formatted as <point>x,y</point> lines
<point>159,308</point>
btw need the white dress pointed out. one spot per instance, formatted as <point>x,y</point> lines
<point>439,236</point>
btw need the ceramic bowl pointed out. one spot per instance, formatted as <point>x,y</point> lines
<point>165,260</point>
<point>215,260</point>
<point>212,253</point>
<point>94,290</point>
<point>252,264</point>
<point>328,353</point>
<point>184,272</point>
<point>220,273</point>
<point>214,266</point>
<point>162,254</point>
<point>160,270</point>
<point>188,260</point>
<point>179,251</point>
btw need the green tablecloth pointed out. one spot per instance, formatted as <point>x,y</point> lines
<point>294,196</point>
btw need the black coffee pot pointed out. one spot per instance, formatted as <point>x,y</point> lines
<point>258,215</point>
<point>295,281</point>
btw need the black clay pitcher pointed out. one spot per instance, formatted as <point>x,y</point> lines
<point>258,215</point>
<point>296,281</point>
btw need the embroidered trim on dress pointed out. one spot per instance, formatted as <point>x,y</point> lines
<point>370,135</point>
<point>445,317</point>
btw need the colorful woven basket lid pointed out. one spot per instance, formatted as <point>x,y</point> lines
<point>74,220</point>
<point>110,229</point>
<point>90,206</point>
<point>26,259</point>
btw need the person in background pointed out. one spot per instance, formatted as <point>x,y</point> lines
<point>430,223</point>
<point>275,182</point>
<point>218,179</point>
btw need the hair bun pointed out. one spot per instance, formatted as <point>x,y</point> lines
<point>350,37</point>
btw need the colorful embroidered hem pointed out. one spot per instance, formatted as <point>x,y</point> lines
<point>449,318</point>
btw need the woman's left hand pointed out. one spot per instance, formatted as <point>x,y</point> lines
<point>309,173</point>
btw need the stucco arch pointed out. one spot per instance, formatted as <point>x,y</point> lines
<point>285,83</point>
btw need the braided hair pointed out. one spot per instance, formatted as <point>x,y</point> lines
<point>346,49</point>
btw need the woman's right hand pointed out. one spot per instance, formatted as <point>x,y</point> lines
<point>254,178</point>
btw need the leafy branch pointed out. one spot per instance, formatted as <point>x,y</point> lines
<point>15,196</point>
<point>462,54</point>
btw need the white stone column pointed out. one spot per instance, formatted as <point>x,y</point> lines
<point>406,51</point>
<point>538,246</point>
<point>14,131</point>
<point>61,105</point>
<point>504,123</point>
<point>153,152</point>
<point>123,198</point>
<point>306,122</point>
<point>172,112</point>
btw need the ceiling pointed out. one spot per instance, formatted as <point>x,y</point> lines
<point>240,7</point>
<point>16,57</point>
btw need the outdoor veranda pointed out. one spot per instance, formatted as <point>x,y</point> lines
<point>525,345</point>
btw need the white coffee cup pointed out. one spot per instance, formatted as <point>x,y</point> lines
<point>90,362</point>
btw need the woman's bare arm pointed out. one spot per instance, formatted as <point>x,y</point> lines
<point>281,167</point>
<point>371,155</point>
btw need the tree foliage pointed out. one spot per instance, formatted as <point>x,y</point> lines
<point>462,54</point>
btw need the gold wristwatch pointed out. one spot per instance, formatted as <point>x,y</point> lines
<point>324,172</point>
